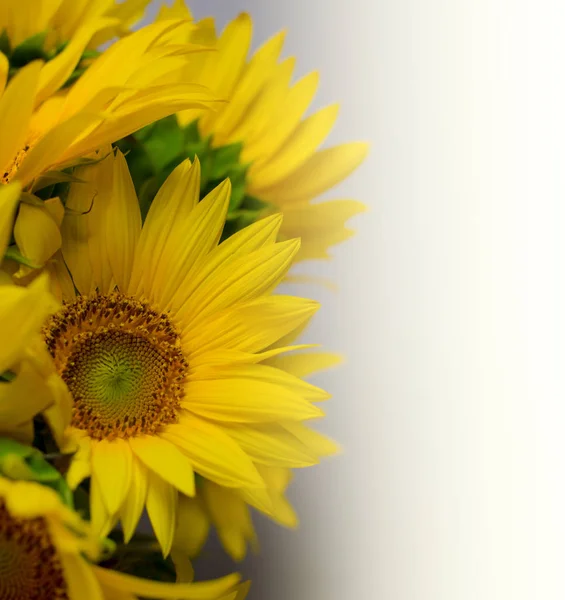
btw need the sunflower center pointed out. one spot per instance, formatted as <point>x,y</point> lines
<point>29,566</point>
<point>122,363</point>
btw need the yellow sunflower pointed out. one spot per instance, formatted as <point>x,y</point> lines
<point>279,146</point>
<point>28,381</point>
<point>47,25</point>
<point>161,348</point>
<point>131,84</point>
<point>48,552</point>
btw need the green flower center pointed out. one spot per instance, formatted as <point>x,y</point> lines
<point>122,363</point>
<point>29,566</point>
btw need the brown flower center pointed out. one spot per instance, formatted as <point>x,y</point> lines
<point>29,566</point>
<point>122,362</point>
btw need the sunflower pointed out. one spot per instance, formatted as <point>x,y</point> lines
<point>48,552</point>
<point>161,347</point>
<point>42,28</point>
<point>263,128</point>
<point>28,381</point>
<point>46,131</point>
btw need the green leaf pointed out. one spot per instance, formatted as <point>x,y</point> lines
<point>13,253</point>
<point>5,46</point>
<point>29,50</point>
<point>252,203</point>
<point>225,159</point>
<point>165,143</point>
<point>88,54</point>
<point>7,376</point>
<point>191,133</point>
<point>20,462</point>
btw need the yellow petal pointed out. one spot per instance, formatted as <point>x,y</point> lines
<point>16,106</point>
<point>265,373</point>
<point>192,526</point>
<point>205,590</point>
<point>100,519</point>
<point>319,173</point>
<point>56,71</point>
<point>251,327</point>
<point>122,222</point>
<point>81,466</point>
<point>111,465</point>
<point>183,566</point>
<point>174,202</point>
<point>284,122</point>
<point>161,508</point>
<point>80,580</point>
<point>263,109</point>
<point>165,458</point>
<point>241,280</point>
<point>50,149</point>
<point>9,196</point>
<point>316,442</point>
<point>273,445</point>
<point>231,518</point>
<point>22,314</point>
<point>23,398</point>
<point>257,73</point>
<point>61,283</point>
<point>296,150</point>
<point>258,235</point>
<point>134,504</point>
<point>247,401</point>
<point>304,364</point>
<point>36,233</point>
<point>232,48</point>
<point>213,453</point>
<point>319,225</point>
<point>200,233</point>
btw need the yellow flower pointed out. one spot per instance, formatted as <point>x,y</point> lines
<point>30,384</point>
<point>265,113</point>
<point>124,89</point>
<point>161,348</point>
<point>59,21</point>
<point>47,551</point>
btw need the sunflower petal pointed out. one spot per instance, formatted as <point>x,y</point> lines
<point>212,452</point>
<point>163,457</point>
<point>161,508</point>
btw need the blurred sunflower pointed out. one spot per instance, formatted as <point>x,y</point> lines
<point>161,347</point>
<point>47,551</point>
<point>261,139</point>
<point>45,131</point>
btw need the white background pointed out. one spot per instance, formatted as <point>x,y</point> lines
<point>450,407</point>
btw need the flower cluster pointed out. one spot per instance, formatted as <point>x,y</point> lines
<point>157,185</point>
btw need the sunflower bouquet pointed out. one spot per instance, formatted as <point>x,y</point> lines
<point>158,185</point>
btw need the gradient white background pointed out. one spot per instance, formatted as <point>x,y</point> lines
<point>450,407</point>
